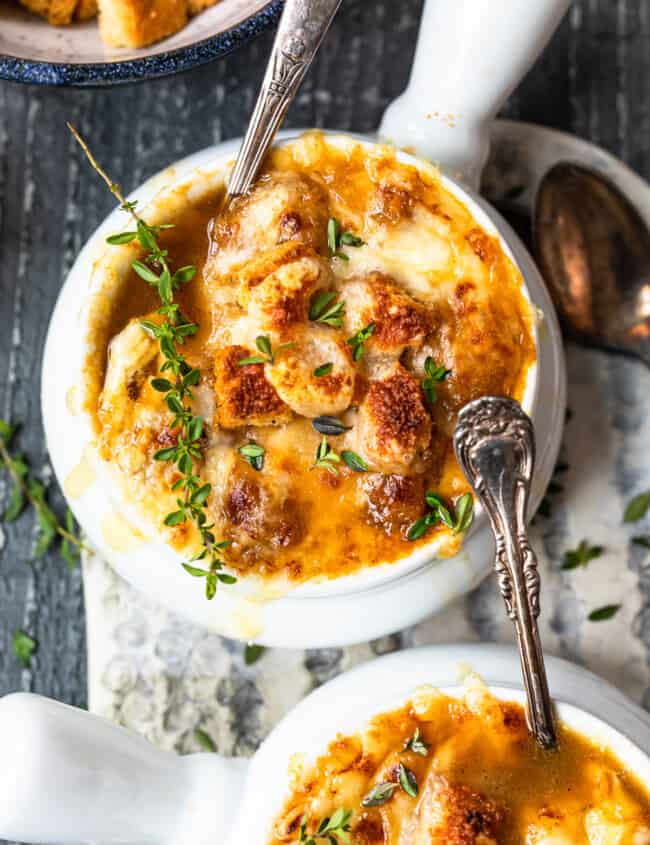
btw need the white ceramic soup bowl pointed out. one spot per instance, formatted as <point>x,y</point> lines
<point>378,599</point>
<point>68,776</point>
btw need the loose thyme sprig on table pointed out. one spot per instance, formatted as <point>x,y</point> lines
<point>27,489</point>
<point>171,333</point>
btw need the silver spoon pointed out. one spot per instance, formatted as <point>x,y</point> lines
<point>495,447</point>
<point>302,28</point>
<point>593,249</point>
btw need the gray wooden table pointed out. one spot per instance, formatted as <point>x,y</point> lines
<point>594,81</point>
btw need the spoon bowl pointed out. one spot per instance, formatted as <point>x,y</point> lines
<point>593,249</point>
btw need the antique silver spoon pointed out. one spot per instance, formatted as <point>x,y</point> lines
<point>302,28</point>
<point>495,447</point>
<point>593,249</point>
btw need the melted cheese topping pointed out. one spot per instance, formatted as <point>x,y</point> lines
<point>427,278</point>
<point>482,780</point>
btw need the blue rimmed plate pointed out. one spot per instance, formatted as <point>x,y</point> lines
<point>33,51</point>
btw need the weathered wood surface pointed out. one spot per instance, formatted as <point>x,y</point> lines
<point>594,81</point>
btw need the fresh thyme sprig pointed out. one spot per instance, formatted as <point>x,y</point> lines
<point>459,520</point>
<point>581,555</point>
<point>176,384</point>
<point>358,340</point>
<point>637,507</point>
<point>416,744</point>
<point>333,829</point>
<point>326,458</point>
<point>323,370</point>
<point>383,792</point>
<point>29,490</point>
<point>263,343</point>
<point>602,614</point>
<point>323,309</point>
<point>434,374</point>
<point>254,454</point>
<point>336,238</point>
<point>24,647</point>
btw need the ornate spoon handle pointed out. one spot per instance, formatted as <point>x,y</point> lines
<point>302,28</point>
<point>495,447</point>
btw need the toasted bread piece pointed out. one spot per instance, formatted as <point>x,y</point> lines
<point>399,321</point>
<point>449,814</point>
<point>137,23</point>
<point>57,12</point>
<point>281,300</point>
<point>38,7</point>
<point>61,12</point>
<point>196,6</point>
<point>244,396</point>
<point>85,10</point>
<point>394,427</point>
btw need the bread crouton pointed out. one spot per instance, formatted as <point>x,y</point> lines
<point>244,396</point>
<point>137,23</point>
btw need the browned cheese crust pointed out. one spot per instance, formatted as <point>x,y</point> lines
<point>243,395</point>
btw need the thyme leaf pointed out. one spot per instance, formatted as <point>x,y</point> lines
<point>254,454</point>
<point>434,374</point>
<point>252,653</point>
<point>408,781</point>
<point>416,744</point>
<point>24,647</point>
<point>353,461</point>
<point>205,741</point>
<point>263,343</point>
<point>379,794</point>
<point>329,425</point>
<point>601,614</point>
<point>581,555</point>
<point>336,238</point>
<point>323,309</point>
<point>358,340</point>
<point>326,458</point>
<point>458,519</point>
<point>332,829</point>
<point>637,507</point>
<point>323,370</point>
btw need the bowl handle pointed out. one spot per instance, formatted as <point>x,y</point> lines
<point>69,776</point>
<point>469,57</point>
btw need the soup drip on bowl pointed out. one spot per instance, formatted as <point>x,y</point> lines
<point>347,308</point>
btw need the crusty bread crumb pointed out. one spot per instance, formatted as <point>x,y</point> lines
<point>61,12</point>
<point>196,6</point>
<point>85,10</point>
<point>39,7</point>
<point>123,23</point>
<point>137,23</point>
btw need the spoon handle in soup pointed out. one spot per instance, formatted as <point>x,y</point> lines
<point>302,28</point>
<point>495,447</point>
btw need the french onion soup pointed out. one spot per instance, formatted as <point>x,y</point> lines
<point>449,771</point>
<point>342,312</point>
